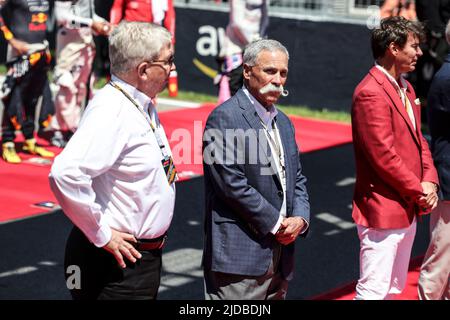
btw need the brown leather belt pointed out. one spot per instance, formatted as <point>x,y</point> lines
<point>150,244</point>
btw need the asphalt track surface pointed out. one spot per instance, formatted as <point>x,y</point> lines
<point>32,250</point>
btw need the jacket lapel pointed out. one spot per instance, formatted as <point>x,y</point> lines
<point>283,126</point>
<point>391,91</point>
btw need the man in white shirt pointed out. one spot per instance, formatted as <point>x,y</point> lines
<point>115,178</point>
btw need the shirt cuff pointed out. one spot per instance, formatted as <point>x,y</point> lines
<point>277,225</point>
<point>97,18</point>
<point>305,227</point>
<point>101,237</point>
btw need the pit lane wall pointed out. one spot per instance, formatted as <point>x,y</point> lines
<point>327,59</point>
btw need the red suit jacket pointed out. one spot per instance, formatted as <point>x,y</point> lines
<point>392,158</point>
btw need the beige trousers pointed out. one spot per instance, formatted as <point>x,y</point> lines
<point>384,260</point>
<point>75,55</point>
<point>434,281</point>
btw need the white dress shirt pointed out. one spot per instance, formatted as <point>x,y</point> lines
<point>110,173</point>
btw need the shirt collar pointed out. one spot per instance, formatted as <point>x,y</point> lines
<point>404,86</point>
<point>141,98</point>
<point>265,115</point>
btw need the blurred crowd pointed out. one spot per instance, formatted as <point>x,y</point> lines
<point>26,88</point>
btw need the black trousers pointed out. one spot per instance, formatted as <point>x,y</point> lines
<point>101,278</point>
<point>20,104</point>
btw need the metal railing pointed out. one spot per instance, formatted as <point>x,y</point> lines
<point>366,3</point>
<point>351,10</point>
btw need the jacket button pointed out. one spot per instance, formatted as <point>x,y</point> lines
<point>280,194</point>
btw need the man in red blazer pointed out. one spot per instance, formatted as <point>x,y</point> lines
<point>395,176</point>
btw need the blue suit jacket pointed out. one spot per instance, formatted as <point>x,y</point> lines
<point>439,123</point>
<point>244,195</point>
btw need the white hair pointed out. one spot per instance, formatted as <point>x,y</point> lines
<point>254,48</point>
<point>131,43</point>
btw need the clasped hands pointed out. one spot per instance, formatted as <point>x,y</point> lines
<point>289,230</point>
<point>429,200</point>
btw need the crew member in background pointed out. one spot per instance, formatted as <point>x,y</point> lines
<point>434,14</point>
<point>434,276</point>
<point>248,22</point>
<point>28,60</point>
<point>161,12</point>
<point>75,52</point>
<point>402,8</point>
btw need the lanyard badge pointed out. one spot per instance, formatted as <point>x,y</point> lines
<point>169,169</point>
<point>167,161</point>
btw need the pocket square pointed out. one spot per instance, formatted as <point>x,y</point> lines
<point>417,101</point>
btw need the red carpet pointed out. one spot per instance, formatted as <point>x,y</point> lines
<point>347,292</point>
<point>311,135</point>
<point>26,184</point>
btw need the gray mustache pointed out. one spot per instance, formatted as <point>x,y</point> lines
<point>272,88</point>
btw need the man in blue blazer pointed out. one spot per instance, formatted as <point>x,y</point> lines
<point>434,280</point>
<point>256,199</point>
